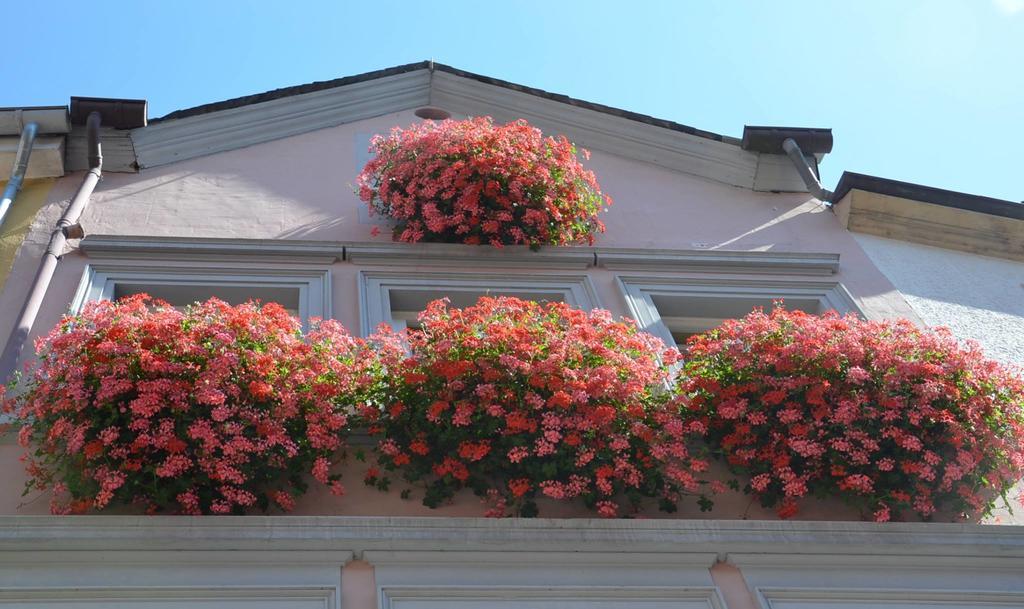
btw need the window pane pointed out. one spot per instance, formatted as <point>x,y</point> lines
<point>181,295</point>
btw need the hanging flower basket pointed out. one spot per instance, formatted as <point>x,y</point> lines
<point>475,182</point>
<point>217,409</point>
<point>518,400</point>
<point>892,418</point>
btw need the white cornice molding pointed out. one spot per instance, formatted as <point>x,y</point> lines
<point>867,597</point>
<point>719,261</point>
<point>395,596</point>
<point>681,558</point>
<point>358,534</point>
<point>194,136</point>
<point>443,254</point>
<point>456,255</point>
<point>967,558</point>
<point>321,597</point>
<point>205,248</point>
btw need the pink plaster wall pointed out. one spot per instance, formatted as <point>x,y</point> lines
<point>300,188</point>
<point>733,587</point>
<point>358,587</point>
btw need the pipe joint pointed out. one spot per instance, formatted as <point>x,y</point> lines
<point>74,231</point>
<point>803,168</point>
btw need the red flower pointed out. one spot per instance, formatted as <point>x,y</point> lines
<point>473,182</point>
<point>878,413</point>
<point>570,404</point>
<point>519,487</point>
<point>221,403</point>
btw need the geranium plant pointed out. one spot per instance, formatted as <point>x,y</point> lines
<point>214,409</point>
<point>518,400</point>
<point>475,182</point>
<point>892,418</point>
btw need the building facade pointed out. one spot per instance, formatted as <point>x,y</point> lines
<point>253,198</point>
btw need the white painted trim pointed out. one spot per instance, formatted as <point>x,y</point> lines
<point>965,560</point>
<point>99,281</point>
<point>203,248</point>
<point>719,261</point>
<point>375,288</point>
<point>771,597</point>
<point>638,291</point>
<point>681,558</point>
<point>149,557</point>
<point>391,596</point>
<point>890,544</point>
<point>194,136</point>
<point>328,596</point>
<point>443,254</point>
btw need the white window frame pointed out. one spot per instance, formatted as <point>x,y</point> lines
<point>375,289</point>
<point>638,293</point>
<point>314,285</point>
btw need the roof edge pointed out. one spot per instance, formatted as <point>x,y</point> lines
<point>602,108</point>
<point>928,194</point>
<point>246,100</point>
<point>255,98</point>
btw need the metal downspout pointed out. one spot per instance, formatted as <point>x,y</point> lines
<point>804,169</point>
<point>66,227</point>
<point>28,138</point>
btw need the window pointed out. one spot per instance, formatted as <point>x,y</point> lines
<point>397,298</point>
<point>304,293</point>
<point>675,309</point>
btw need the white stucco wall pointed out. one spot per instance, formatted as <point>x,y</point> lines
<point>977,297</point>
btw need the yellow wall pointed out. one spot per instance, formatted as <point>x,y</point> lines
<point>19,219</point>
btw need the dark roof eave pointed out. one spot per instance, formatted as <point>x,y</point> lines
<point>927,194</point>
<point>257,98</point>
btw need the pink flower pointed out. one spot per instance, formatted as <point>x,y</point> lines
<point>474,182</point>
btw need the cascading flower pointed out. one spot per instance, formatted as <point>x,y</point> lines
<point>215,409</point>
<point>475,182</point>
<point>518,400</point>
<point>892,418</point>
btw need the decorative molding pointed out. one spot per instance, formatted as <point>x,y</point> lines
<point>787,598</point>
<point>205,248</point>
<point>212,597</point>
<point>99,281</point>
<point>444,254</point>
<point>682,558</point>
<point>719,261</point>
<point>156,557</point>
<point>891,542</point>
<point>966,559</point>
<point>458,255</point>
<point>392,597</point>
<point>639,293</point>
<point>194,136</point>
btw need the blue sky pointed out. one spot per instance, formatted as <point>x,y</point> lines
<point>925,91</point>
